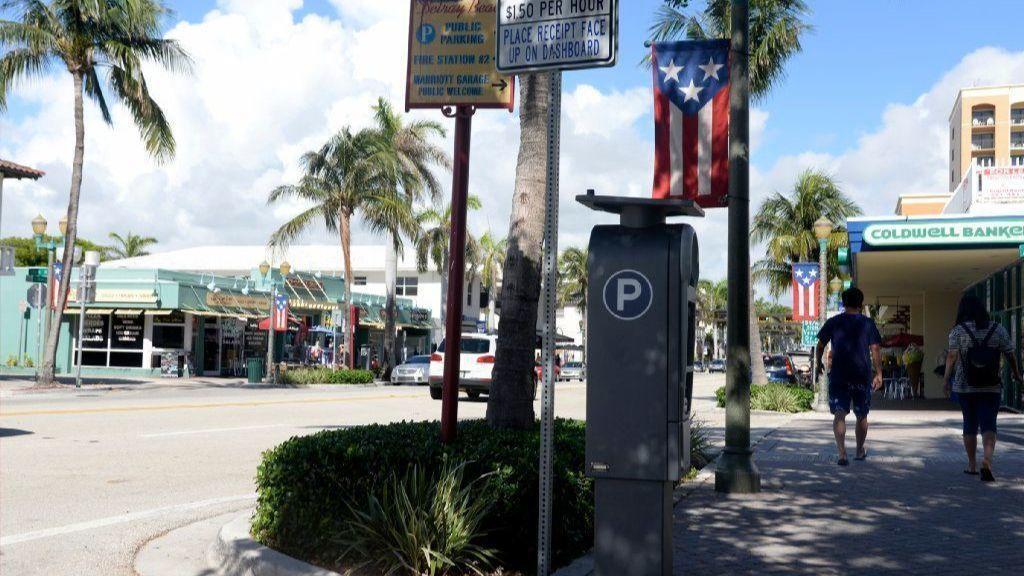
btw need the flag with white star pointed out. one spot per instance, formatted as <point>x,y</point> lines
<point>691,121</point>
<point>806,291</point>
<point>279,319</point>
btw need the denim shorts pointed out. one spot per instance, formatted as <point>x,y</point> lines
<point>980,410</point>
<point>841,397</point>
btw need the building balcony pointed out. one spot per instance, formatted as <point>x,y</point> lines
<point>981,121</point>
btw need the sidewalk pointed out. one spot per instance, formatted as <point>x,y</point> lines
<point>908,509</point>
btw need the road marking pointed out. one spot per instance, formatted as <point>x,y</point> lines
<point>121,519</point>
<point>249,404</point>
<point>210,431</point>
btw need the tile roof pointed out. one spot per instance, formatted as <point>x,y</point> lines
<point>12,170</point>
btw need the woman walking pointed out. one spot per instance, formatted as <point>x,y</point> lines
<point>972,371</point>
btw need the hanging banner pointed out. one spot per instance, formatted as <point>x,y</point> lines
<point>451,56</point>
<point>279,319</point>
<point>691,121</point>
<point>542,35</point>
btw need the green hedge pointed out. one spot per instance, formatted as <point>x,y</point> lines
<point>326,376</point>
<point>305,483</point>
<point>775,398</point>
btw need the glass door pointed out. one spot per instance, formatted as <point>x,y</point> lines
<point>211,350</point>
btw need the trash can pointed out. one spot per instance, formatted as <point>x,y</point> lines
<point>254,370</point>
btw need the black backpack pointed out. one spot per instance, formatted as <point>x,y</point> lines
<point>981,363</point>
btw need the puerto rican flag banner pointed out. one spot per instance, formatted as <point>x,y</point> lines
<point>806,291</point>
<point>691,121</point>
<point>279,321</point>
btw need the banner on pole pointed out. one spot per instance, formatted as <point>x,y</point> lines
<point>691,121</point>
<point>279,320</point>
<point>806,291</point>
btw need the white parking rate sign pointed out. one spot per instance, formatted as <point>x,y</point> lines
<point>537,35</point>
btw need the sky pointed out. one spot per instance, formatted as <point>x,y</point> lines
<point>867,100</point>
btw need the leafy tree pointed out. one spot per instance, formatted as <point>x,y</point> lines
<point>492,256</point>
<point>432,245</point>
<point>26,253</point>
<point>712,298</point>
<point>100,43</point>
<point>129,246</point>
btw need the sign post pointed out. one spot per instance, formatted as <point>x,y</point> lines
<point>548,37</point>
<point>36,297</point>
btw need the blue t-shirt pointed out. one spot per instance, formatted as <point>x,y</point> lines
<point>851,336</point>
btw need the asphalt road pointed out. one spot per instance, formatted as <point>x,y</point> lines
<point>87,478</point>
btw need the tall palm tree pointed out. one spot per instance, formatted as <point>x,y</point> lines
<point>339,181</point>
<point>786,225</point>
<point>406,154</point>
<point>435,226</point>
<point>103,45</point>
<point>492,257</point>
<point>572,286</point>
<point>776,29</point>
<point>129,245</point>
<point>712,298</point>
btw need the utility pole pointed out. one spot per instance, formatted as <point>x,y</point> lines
<point>736,472</point>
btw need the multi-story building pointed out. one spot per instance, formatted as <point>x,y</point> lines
<point>986,127</point>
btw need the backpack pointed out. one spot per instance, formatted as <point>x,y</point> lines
<point>981,363</point>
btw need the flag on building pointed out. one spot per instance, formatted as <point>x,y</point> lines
<point>691,121</point>
<point>806,291</point>
<point>279,320</point>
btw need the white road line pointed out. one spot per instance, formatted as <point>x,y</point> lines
<point>209,431</point>
<point>123,518</point>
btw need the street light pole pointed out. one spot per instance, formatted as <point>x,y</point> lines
<point>86,277</point>
<point>822,231</point>
<point>736,472</point>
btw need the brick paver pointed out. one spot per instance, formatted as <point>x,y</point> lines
<point>908,509</point>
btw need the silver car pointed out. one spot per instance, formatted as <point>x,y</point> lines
<point>416,370</point>
<point>571,371</point>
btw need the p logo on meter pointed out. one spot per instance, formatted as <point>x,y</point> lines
<point>628,295</point>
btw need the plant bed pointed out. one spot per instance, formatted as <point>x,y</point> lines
<point>313,491</point>
<point>306,376</point>
<point>775,398</point>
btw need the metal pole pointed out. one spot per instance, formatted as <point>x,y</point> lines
<point>39,334</point>
<point>736,471</point>
<point>271,376</point>
<point>822,404</point>
<point>456,274</point>
<point>547,418</point>
<point>51,285</point>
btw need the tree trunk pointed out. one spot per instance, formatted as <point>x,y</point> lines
<point>390,277</point>
<point>757,371</point>
<point>510,404</point>
<point>345,232</point>
<point>48,368</point>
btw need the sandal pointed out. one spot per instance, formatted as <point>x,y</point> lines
<point>843,462</point>
<point>862,457</point>
<point>971,472</point>
<point>986,474</point>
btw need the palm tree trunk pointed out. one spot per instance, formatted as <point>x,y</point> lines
<point>758,375</point>
<point>510,403</point>
<point>390,278</point>
<point>345,232</point>
<point>48,368</point>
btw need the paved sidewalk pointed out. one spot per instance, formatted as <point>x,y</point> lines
<point>908,509</point>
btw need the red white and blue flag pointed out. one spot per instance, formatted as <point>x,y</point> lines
<point>806,292</point>
<point>279,320</point>
<point>691,121</point>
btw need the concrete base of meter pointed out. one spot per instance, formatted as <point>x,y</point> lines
<point>632,528</point>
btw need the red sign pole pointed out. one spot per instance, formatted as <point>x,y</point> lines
<point>456,272</point>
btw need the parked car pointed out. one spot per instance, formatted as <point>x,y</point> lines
<point>780,369</point>
<point>415,370</point>
<point>571,371</point>
<point>716,366</point>
<point>698,366</point>
<point>476,363</point>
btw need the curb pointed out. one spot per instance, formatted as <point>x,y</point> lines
<point>236,553</point>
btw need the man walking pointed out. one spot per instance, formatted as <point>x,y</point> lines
<point>856,369</point>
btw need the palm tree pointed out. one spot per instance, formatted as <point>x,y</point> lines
<point>435,227</point>
<point>776,28</point>
<point>712,298</point>
<point>406,155</point>
<point>340,180</point>
<point>129,245</point>
<point>786,224</point>
<point>87,37</point>
<point>572,286</point>
<point>492,256</point>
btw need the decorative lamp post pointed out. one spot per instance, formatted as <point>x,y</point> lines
<point>39,235</point>
<point>822,231</point>
<point>835,286</point>
<point>267,276</point>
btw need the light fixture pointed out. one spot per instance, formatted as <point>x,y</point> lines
<point>286,268</point>
<point>212,286</point>
<point>92,258</point>
<point>822,228</point>
<point>245,289</point>
<point>318,274</point>
<point>835,285</point>
<point>63,225</point>
<point>39,225</point>
<point>264,268</point>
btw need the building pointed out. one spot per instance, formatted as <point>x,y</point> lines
<point>986,127</point>
<point>915,266</point>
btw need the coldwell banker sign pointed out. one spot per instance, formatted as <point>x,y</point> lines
<point>1006,231</point>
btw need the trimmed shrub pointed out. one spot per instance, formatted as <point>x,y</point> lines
<point>304,376</point>
<point>775,398</point>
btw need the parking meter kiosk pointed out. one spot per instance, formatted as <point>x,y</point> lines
<point>641,298</point>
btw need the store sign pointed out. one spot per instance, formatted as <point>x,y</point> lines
<point>309,284</point>
<point>539,35</point>
<point>1000,185</point>
<point>236,301</point>
<point>809,333</point>
<point>451,56</point>
<point>120,296</point>
<point>419,316</point>
<point>945,233</point>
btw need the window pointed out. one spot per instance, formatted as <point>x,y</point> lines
<point>1017,140</point>
<point>485,298</point>
<point>986,161</point>
<point>359,280</point>
<point>1017,160</point>
<point>983,117</point>
<point>983,141</point>
<point>470,346</point>
<point>1017,116</point>
<point>407,286</point>
<point>168,336</point>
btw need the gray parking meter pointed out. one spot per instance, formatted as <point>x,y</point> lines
<point>641,299</point>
